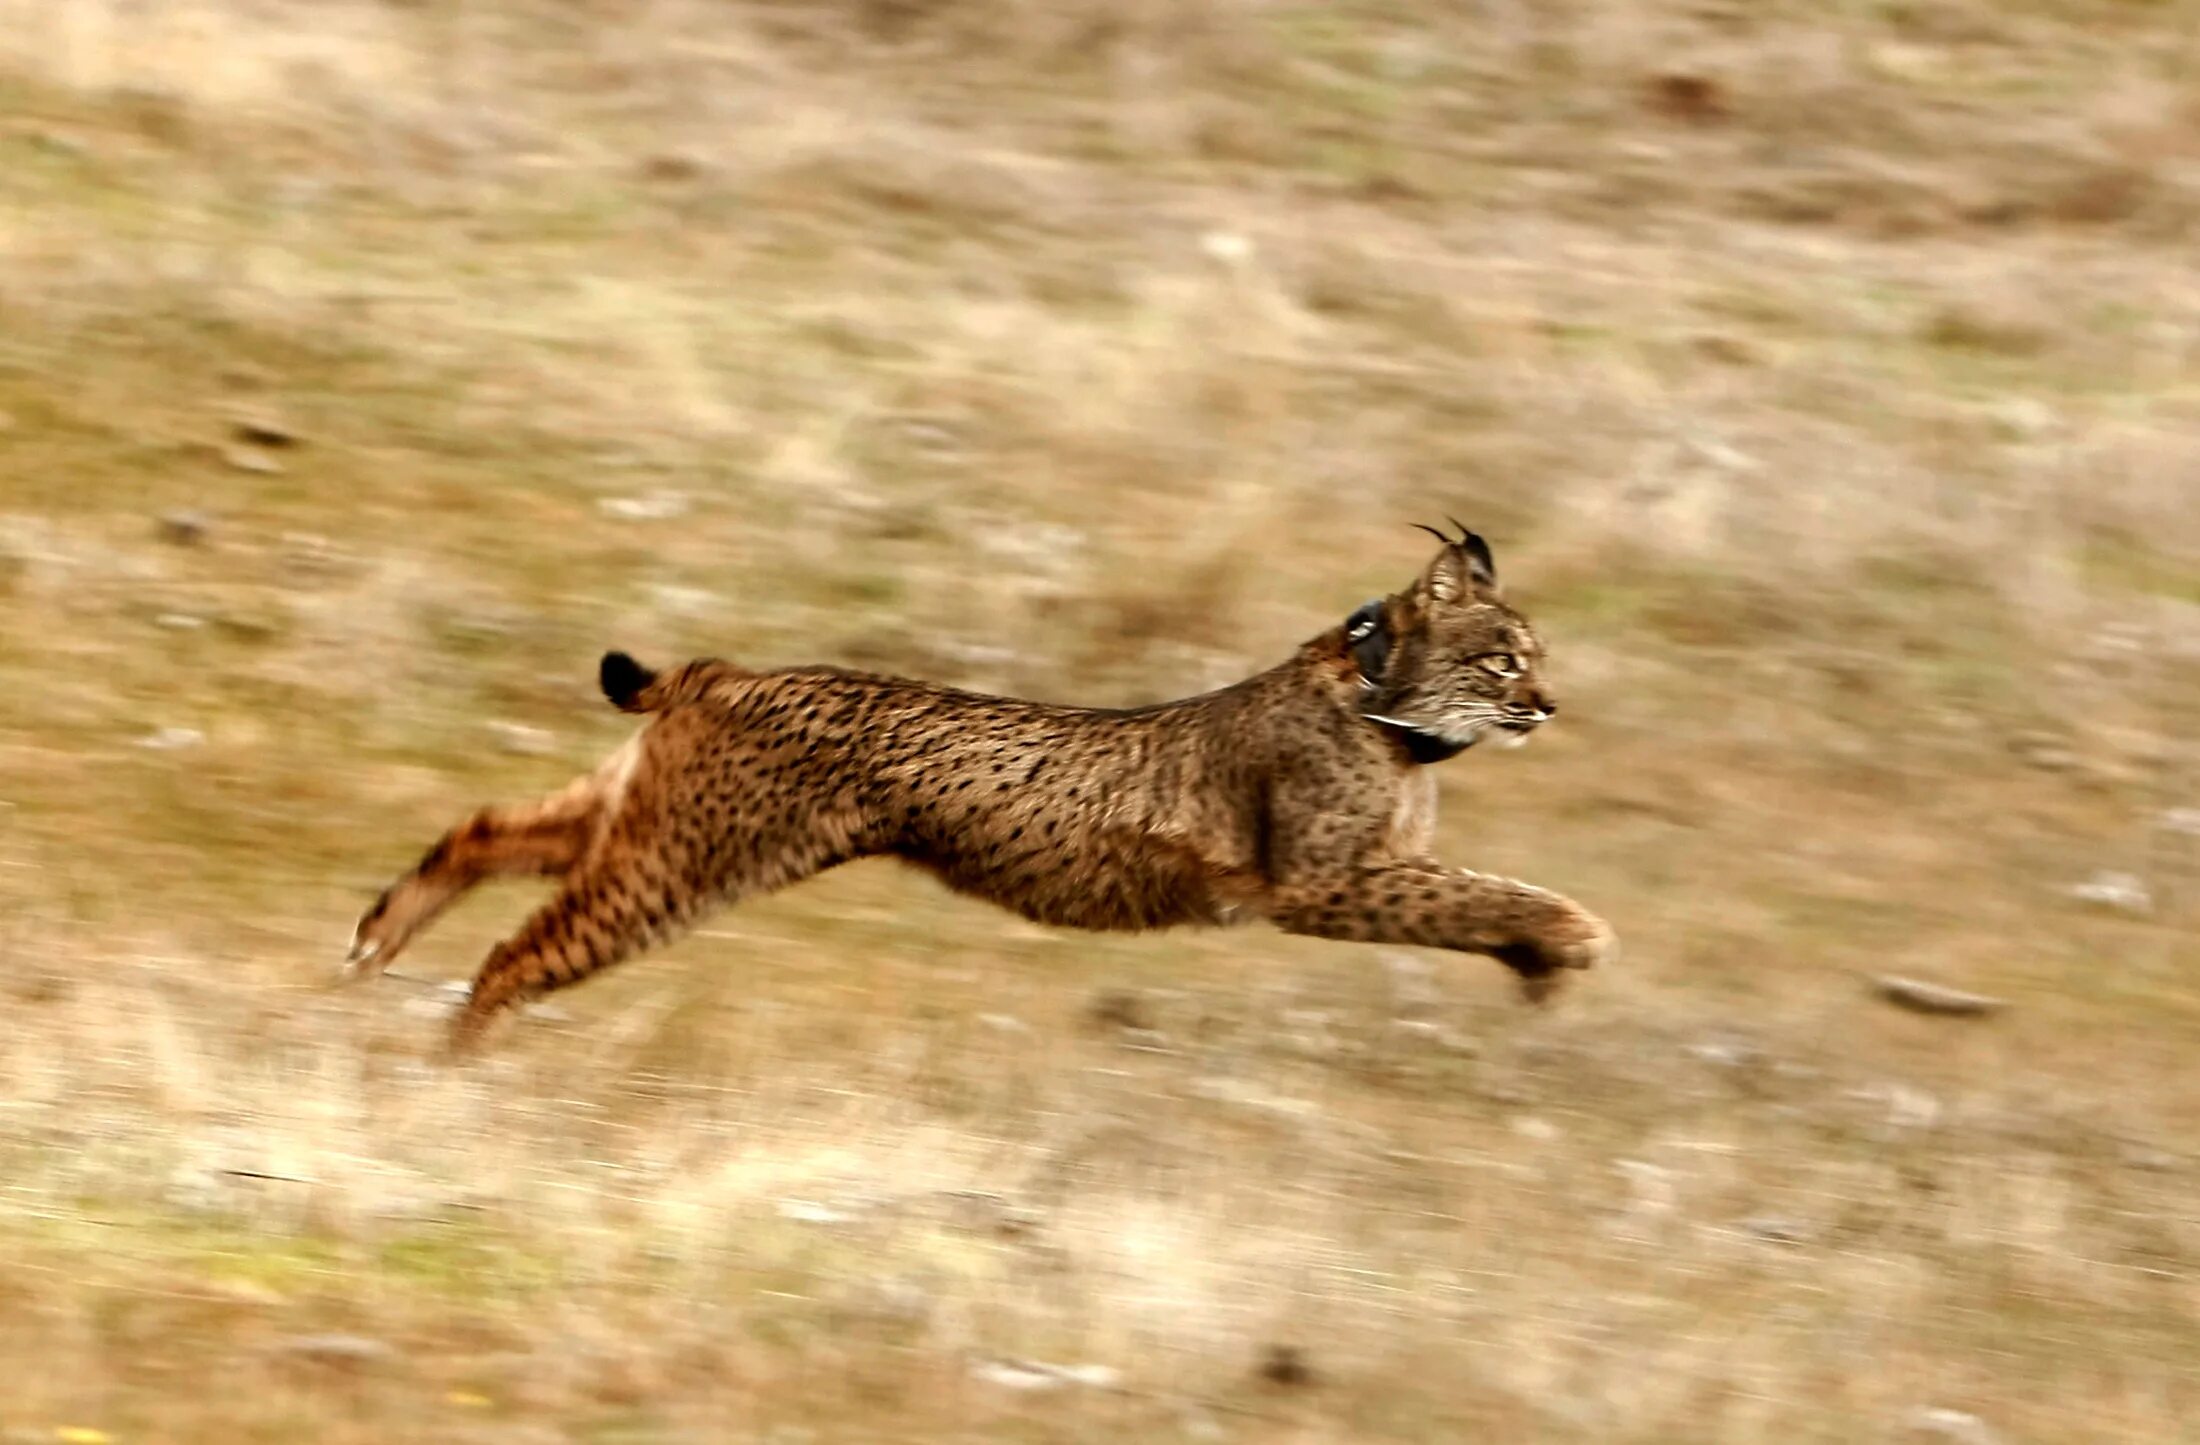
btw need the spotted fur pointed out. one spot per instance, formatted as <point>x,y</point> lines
<point>1300,795</point>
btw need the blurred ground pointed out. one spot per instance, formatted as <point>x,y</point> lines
<point>1828,377</point>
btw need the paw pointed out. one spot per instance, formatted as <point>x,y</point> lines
<point>373,943</point>
<point>467,1036</point>
<point>1575,939</point>
<point>1584,941</point>
<point>1540,988</point>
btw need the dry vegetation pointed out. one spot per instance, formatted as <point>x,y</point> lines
<point>1827,373</point>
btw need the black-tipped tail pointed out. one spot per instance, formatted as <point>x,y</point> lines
<point>634,688</point>
<point>625,681</point>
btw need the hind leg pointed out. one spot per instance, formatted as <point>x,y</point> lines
<point>619,903</point>
<point>597,919</point>
<point>544,839</point>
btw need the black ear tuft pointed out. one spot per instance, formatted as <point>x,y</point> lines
<point>1480,570</point>
<point>1478,554</point>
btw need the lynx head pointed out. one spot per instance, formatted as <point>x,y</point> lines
<point>1447,662</point>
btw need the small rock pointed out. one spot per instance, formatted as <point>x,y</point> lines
<point>335,1349</point>
<point>1960,1426</point>
<point>1651,1185</point>
<point>934,438</point>
<point>1016,1220</point>
<point>248,626</point>
<point>2148,1158</point>
<point>1728,348</point>
<point>972,1207</point>
<point>1918,996</point>
<point>260,429</point>
<point>981,1209</point>
<point>184,528</point>
<point>2050,757</point>
<point>1450,1040</point>
<point>1690,97</point>
<point>684,601</point>
<point>1307,1032</point>
<point>1918,63</point>
<point>2181,820</point>
<point>1098,1377</point>
<point>171,739</point>
<point>1726,1052</point>
<point>1122,1008</point>
<point>905,1301</point>
<point>2007,326</point>
<point>521,739</point>
<point>1146,1041</point>
<point>1227,247</point>
<point>180,621</point>
<point>42,987</point>
<point>1004,1023</point>
<point>1285,1365</point>
<point>674,166</point>
<point>809,1211</point>
<point>1221,1090</point>
<point>311,557</point>
<point>241,1291</point>
<point>2124,892</point>
<point>1530,1127</point>
<point>1412,983</point>
<point>651,507</point>
<point>2024,419</point>
<point>55,143</point>
<point>481,628</point>
<point>251,459</point>
<point>1723,456</point>
<point>1778,1229</point>
<point>1037,1375</point>
<point>1907,1107</point>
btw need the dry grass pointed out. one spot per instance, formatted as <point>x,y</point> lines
<point>1826,375</point>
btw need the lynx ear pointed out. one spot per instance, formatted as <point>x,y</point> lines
<point>1480,566</point>
<point>1463,566</point>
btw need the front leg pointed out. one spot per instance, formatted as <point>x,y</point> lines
<point>1530,930</point>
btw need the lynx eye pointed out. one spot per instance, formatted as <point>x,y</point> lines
<point>1503,664</point>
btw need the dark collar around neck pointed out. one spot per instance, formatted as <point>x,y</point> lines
<point>1367,637</point>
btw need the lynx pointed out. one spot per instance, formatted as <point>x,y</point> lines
<point>1301,795</point>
